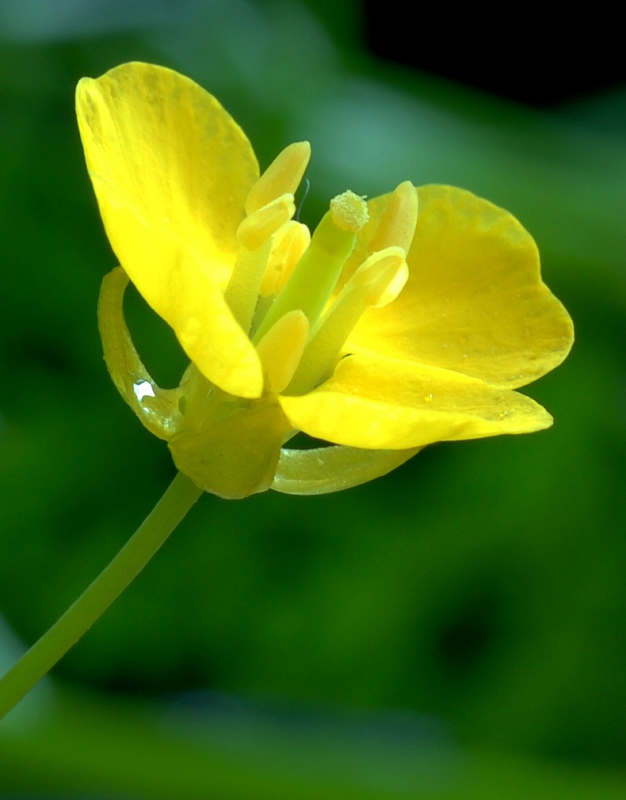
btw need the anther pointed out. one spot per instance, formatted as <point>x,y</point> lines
<point>384,275</point>
<point>280,350</point>
<point>288,247</point>
<point>283,176</point>
<point>397,223</point>
<point>263,223</point>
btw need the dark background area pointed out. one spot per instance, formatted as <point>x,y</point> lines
<point>537,58</point>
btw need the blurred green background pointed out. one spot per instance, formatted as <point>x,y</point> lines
<point>455,629</point>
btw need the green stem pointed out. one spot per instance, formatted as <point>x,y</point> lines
<point>94,601</point>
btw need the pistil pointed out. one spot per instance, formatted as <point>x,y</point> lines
<point>314,279</point>
<point>376,282</point>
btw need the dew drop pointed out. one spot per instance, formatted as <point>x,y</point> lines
<point>143,389</point>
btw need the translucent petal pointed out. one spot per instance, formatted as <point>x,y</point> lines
<point>157,408</point>
<point>382,403</point>
<point>475,302</point>
<point>171,171</point>
<point>332,469</point>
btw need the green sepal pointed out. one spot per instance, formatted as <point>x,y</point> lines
<point>234,451</point>
<point>332,469</point>
<point>159,413</point>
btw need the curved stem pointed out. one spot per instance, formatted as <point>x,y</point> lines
<point>94,601</point>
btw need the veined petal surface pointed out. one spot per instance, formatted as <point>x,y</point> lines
<point>171,171</point>
<point>383,403</point>
<point>475,302</point>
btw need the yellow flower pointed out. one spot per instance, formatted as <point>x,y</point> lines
<point>288,332</point>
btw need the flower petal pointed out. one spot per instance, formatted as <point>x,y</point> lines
<point>382,403</point>
<point>171,171</point>
<point>475,302</point>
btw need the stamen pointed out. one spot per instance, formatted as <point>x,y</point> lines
<point>384,274</point>
<point>283,176</point>
<point>377,281</point>
<point>397,224</point>
<point>288,247</point>
<point>245,281</point>
<point>281,348</point>
<point>263,223</point>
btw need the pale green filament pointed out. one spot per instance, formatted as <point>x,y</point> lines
<point>245,282</point>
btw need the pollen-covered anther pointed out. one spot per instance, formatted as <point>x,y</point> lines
<point>349,211</point>
<point>280,350</point>
<point>283,176</point>
<point>288,247</point>
<point>263,223</point>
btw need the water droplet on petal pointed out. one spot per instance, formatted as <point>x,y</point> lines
<point>143,389</point>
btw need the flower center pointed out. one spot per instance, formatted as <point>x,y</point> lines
<point>284,287</point>
<point>314,278</point>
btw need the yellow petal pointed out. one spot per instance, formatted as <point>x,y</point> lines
<point>381,403</point>
<point>171,171</point>
<point>474,302</point>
